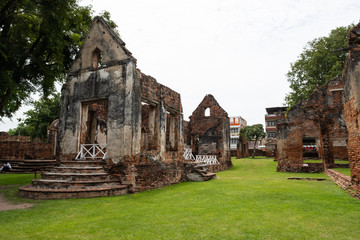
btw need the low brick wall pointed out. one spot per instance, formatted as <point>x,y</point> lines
<point>301,168</point>
<point>220,167</point>
<point>26,150</point>
<point>142,172</point>
<point>340,179</point>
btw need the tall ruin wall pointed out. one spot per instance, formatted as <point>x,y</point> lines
<point>210,134</point>
<point>320,119</point>
<point>107,101</point>
<point>351,79</point>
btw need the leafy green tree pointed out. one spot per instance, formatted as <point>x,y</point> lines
<point>45,111</point>
<point>254,133</point>
<point>321,61</point>
<point>38,42</point>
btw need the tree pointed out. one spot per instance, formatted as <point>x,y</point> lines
<point>321,61</point>
<point>37,120</point>
<point>38,42</point>
<point>254,133</point>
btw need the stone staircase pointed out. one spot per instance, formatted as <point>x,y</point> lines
<point>29,165</point>
<point>200,172</point>
<point>74,179</point>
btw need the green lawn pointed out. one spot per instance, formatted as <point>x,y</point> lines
<point>345,171</point>
<point>320,161</point>
<point>249,201</point>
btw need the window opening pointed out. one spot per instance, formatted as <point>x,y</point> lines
<point>310,150</point>
<point>207,112</point>
<point>96,58</point>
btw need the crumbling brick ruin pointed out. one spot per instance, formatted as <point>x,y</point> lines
<point>318,121</point>
<point>128,125</point>
<point>208,132</point>
<point>351,79</point>
<point>106,100</point>
<point>21,147</point>
<point>26,156</point>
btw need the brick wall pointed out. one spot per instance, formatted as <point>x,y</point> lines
<point>210,135</point>
<point>320,118</point>
<point>340,179</point>
<point>351,79</point>
<point>154,91</point>
<point>143,172</point>
<point>20,147</point>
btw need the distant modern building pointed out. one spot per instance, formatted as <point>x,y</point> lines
<point>273,114</point>
<point>236,123</point>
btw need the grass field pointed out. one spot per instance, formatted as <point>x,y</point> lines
<point>345,171</point>
<point>249,201</point>
<point>320,161</point>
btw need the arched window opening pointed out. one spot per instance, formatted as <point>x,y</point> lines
<point>96,58</point>
<point>207,112</point>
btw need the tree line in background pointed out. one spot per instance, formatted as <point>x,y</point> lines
<point>322,60</point>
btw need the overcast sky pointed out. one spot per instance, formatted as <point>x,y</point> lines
<point>237,50</point>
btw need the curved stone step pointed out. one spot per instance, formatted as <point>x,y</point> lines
<point>78,169</point>
<point>66,184</point>
<point>75,176</point>
<point>80,163</point>
<point>28,191</point>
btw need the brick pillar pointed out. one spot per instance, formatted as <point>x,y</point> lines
<point>289,147</point>
<point>327,154</point>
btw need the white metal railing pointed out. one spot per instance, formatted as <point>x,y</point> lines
<point>203,159</point>
<point>92,151</point>
<point>206,159</point>
<point>188,154</point>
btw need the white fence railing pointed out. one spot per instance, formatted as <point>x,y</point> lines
<point>203,159</point>
<point>206,159</point>
<point>92,151</point>
<point>188,154</point>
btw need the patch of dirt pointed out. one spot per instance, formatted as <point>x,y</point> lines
<point>5,205</point>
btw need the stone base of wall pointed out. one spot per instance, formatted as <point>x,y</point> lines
<point>303,168</point>
<point>340,179</point>
<point>142,172</point>
<point>344,182</point>
<point>220,167</point>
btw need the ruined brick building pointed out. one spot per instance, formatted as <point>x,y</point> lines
<point>26,155</point>
<point>22,147</point>
<point>318,121</point>
<point>112,112</point>
<point>208,132</point>
<point>351,80</point>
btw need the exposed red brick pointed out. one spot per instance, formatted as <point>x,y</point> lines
<point>320,117</point>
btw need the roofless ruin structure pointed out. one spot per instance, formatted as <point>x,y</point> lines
<point>119,130</point>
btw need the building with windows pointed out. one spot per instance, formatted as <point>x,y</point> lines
<point>236,123</point>
<point>273,114</point>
